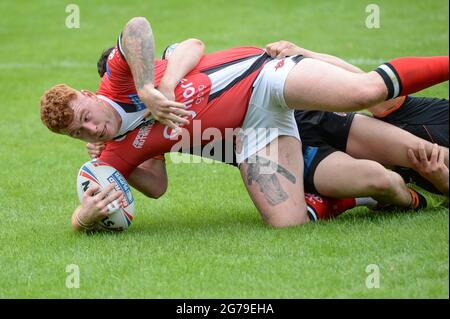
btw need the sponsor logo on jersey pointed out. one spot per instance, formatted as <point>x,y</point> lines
<point>193,93</point>
<point>279,65</point>
<point>141,136</point>
<point>137,102</point>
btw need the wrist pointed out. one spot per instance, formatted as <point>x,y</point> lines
<point>168,84</point>
<point>82,222</point>
<point>145,89</point>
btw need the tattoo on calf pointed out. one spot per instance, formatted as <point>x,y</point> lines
<point>263,172</point>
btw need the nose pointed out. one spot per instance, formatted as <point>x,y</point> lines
<point>90,128</point>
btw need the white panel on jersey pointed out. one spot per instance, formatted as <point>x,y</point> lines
<point>221,78</point>
<point>129,120</point>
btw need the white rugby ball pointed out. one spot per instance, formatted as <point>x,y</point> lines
<point>99,173</point>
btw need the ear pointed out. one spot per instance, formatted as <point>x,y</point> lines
<point>88,93</point>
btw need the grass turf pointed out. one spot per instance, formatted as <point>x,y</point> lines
<point>204,238</point>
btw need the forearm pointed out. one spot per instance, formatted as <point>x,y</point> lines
<point>183,59</point>
<point>138,47</point>
<point>333,60</point>
<point>150,178</point>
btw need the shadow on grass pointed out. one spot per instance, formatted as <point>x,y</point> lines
<point>247,221</point>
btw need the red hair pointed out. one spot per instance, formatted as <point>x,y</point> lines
<point>56,113</point>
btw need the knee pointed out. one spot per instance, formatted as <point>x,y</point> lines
<point>287,221</point>
<point>381,181</point>
<point>365,97</point>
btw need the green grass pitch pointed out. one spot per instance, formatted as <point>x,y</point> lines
<point>204,238</point>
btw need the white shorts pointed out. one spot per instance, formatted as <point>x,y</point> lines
<point>268,115</point>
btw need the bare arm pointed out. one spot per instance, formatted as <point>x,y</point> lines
<point>184,58</point>
<point>284,48</point>
<point>138,48</point>
<point>150,178</point>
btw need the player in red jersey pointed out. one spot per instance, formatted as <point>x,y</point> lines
<point>270,89</point>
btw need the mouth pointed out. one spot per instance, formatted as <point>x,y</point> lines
<point>103,132</point>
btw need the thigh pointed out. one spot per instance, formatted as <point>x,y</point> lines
<point>376,140</point>
<point>273,178</point>
<point>317,85</point>
<point>339,175</point>
<point>312,157</point>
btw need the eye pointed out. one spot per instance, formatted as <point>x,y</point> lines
<point>77,133</point>
<point>86,117</point>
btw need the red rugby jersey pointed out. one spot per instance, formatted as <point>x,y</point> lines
<point>216,93</point>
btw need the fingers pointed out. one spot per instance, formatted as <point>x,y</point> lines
<point>95,149</point>
<point>434,153</point>
<point>441,156</point>
<point>422,153</point>
<point>175,104</point>
<point>271,49</point>
<point>177,119</point>
<point>148,113</point>
<point>91,191</point>
<point>170,124</point>
<point>106,197</point>
<point>111,203</point>
<point>172,117</point>
<point>283,53</point>
<point>280,49</point>
<point>412,158</point>
<point>105,191</point>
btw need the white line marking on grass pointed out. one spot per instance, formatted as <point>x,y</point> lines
<point>366,61</point>
<point>84,65</point>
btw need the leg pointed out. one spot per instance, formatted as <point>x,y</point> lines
<point>359,178</point>
<point>274,179</point>
<point>317,85</point>
<point>388,144</point>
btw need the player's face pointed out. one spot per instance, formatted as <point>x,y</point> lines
<point>94,121</point>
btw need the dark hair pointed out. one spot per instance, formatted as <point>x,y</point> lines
<point>101,63</point>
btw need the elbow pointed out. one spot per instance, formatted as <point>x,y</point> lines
<point>156,192</point>
<point>136,21</point>
<point>160,191</point>
<point>136,24</point>
<point>198,44</point>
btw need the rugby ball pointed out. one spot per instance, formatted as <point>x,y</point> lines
<point>96,172</point>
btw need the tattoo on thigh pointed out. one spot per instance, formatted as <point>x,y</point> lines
<point>263,172</point>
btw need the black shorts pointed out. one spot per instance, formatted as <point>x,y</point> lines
<point>424,117</point>
<point>322,134</point>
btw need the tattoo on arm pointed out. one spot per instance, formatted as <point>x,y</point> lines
<point>138,47</point>
<point>263,172</point>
